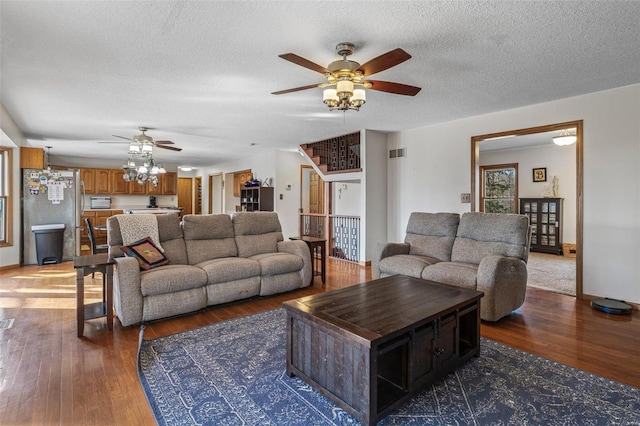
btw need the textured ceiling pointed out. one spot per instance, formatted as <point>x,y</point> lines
<point>200,73</point>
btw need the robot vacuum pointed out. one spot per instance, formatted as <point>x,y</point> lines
<point>611,306</point>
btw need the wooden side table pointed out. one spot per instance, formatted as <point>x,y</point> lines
<point>318,266</point>
<point>84,266</point>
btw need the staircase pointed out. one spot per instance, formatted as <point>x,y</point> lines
<point>336,155</point>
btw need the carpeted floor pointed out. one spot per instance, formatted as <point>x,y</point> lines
<point>552,272</point>
<point>233,373</point>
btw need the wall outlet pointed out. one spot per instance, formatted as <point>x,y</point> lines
<point>465,197</point>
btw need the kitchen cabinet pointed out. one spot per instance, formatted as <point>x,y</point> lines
<point>169,183</point>
<point>239,178</point>
<point>154,190</point>
<point>88,176</point>
<point>97,218</point>
<point>31,158</point>
<point>118,184</point>
<point>136,189</point>
<point>102,182</point>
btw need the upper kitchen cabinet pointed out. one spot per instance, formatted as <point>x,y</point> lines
<point>88,177</point>
<point>118,184</point>
<point>169,183</point>
<point>31,158</point>
<point>102,183</point>
<point>136,189</point>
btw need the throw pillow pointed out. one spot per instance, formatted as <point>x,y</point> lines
<point>147,254</point>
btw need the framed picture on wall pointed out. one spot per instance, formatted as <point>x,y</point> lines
<point>540,174</point>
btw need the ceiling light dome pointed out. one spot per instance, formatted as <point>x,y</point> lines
<point>565,138</point>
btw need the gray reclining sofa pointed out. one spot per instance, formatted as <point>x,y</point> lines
<point>213,259</point>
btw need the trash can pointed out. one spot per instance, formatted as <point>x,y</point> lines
<point>49,242</point>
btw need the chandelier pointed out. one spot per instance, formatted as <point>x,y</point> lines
<point>345,85</point>
<point>141,150</point>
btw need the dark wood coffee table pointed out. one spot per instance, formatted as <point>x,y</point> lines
<point>372,346</point>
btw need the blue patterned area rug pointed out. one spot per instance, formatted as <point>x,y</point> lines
<point>233,373</point>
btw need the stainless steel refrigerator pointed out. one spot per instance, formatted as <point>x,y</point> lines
<point>51,197</point>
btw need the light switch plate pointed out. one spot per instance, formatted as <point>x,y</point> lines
<point>465,197</point>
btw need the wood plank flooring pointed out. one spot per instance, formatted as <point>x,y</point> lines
<point>49,376</point>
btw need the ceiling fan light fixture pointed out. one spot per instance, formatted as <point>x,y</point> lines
<point>344,89</point>
<point>565,138</point>
<point>147,149</point>
<point>359,97</point>
<point>330,97</point>
<point>134,148</point>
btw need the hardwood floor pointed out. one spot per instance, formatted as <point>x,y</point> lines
<point>49,376</point>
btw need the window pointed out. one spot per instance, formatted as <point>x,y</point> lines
<point>6,202</point>
<point>499,188</point>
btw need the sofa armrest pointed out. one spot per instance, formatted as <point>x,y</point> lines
<point>299,248</point>
<point>504,283</point>
<point>127,292</point>
<point>386,250</point>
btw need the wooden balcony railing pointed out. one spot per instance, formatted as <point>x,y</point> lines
<point>336,155</point>
<point>343,240</point>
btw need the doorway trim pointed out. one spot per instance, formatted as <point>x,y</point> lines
<point>475,152</point>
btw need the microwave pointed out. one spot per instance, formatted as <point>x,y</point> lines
<point>100,202</point>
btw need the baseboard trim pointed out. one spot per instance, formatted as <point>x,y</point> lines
<point>6,267</point>
<point>589,298</point>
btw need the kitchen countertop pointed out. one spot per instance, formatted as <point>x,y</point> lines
<point>128,208</point>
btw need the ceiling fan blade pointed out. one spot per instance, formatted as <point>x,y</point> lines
<point>121,137</point>
<point>295,89</point>
<point>163,142</point>
<point>172,148</point>
<point>390,87</point>
<point>299,60</point>
<point>384,61</point>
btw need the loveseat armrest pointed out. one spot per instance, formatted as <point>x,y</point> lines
<point>299,248</point>
<point>386,250</point>
<point>127,291</point>
<point>504,283</point>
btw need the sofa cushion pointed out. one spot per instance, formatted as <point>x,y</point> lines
<point>208,237</point>
<point>278,263</point>
<point>146,253</point>
<point>170,279</point>
<point>256,232</point>
<point>169,231</point>
<point>406,264</point>
<point>483,234</point>
<point>229,269</point>
<point>458,274</point>
<point>251,245</point>
<point>432,234</point>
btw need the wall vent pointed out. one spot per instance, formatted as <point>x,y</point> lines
<point>393,153</point>
<point>402,152</point>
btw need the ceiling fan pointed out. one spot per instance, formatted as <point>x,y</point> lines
<point>346,77</point>
<point>144,139</point>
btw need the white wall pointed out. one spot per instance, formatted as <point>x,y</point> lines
<point>282,167</point>
<point>347,198</point>
<point>559,160</point>
<point>12,137</point>
<point>288,173</point>
<point>437,170</point>
<point>374,170</point>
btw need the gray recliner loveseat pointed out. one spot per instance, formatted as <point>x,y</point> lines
<point>480,251</point>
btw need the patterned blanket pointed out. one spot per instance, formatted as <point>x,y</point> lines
<point>135,227</point>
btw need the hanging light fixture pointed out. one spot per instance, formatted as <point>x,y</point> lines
<point>345,85</point>
<point>148,170</point>
<point>565,138</point>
